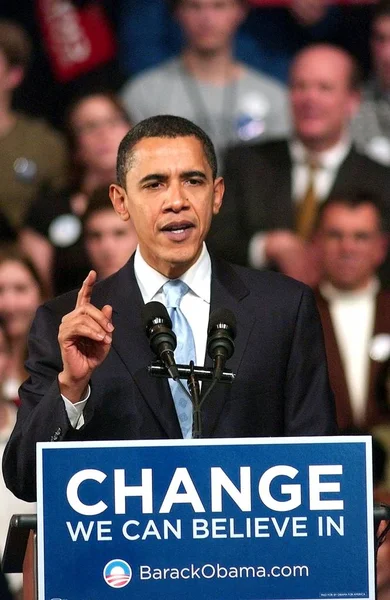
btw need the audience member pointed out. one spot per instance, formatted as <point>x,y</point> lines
<point>31,152</point>
<point>355,312</point>
<point>205,83</point>
<point>79,30</point>
<point>109,240</point>
<point>269,37</point>
<point>273,189</point>
<point>9,504</point>
<point>21,292</point>
<point>372,124</point>
<point>52,232</point>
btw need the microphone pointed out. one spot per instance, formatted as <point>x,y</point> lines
<point>162,339</point>
<point>220,340</point>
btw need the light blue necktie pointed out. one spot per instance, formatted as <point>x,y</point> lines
<point>174,291</point>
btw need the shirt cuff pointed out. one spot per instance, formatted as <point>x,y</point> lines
<point>75,411</point>
<point>256,251</point>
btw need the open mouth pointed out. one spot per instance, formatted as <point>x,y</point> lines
<point>177,228</point>
<point>178,231</point>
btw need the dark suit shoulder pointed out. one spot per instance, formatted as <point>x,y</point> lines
<point>366,162</point>
<point>263,284</point>
<point>270,281</point>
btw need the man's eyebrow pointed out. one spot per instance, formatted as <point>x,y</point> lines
<point>189,174</point>
<point>154,177</point>
<point>164,177</point>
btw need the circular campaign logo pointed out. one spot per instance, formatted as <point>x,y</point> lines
<point>117,573</point>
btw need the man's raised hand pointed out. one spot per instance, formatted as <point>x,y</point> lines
<point>85,337</point>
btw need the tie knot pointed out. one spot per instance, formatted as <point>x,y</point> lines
<point>174,290</point>
<point>312,162</point>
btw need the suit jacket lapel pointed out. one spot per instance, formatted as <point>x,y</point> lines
<point>227,291</point>
<point>132,346</point>
<point>348,174</point>
<point>335,366</point>
<point>381,326</point>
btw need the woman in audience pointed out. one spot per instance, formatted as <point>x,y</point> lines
<point>9,504</point>
<point>21,292</point>
<point>52,233</point>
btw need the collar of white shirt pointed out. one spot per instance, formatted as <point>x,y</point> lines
<point>198,277</point>
<point>331,293</point>
<point>330,159</point>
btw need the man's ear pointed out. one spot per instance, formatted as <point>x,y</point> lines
<point>219,189</point>
<point>118,197</point>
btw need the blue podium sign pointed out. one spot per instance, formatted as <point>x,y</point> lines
<point>245,519</point>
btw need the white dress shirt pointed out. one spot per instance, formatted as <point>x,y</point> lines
<point>353,316</point>
<point>328,162</point>
<point>195,306</point>
<point>325,174</point>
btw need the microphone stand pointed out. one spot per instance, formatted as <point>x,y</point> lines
<point>193,386</point>
<point>193,374</point>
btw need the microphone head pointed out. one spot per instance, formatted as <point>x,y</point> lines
<point>158,328</point>
<point>223,318</point>
<point>221,334</point>
<point>154,313</point>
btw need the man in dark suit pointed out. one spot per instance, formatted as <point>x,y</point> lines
<point>93,384</point>
<point>355,311</point>
<point>268,186</point>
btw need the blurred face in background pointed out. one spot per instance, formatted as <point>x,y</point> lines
<point>210,25</point>
<point>322,99</point>
<point>380,50</point>
<point>109,241</point>
<point>351,245</point>
<point>20,296</point>
<point>98,127</point>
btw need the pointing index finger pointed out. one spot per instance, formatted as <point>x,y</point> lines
<point>85,292</point>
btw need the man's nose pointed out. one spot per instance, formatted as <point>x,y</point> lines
<point>348,243</point>
<point>176,198</point>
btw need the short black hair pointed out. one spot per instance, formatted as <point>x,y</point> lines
<point>352,201</point>
<point>161,126</point>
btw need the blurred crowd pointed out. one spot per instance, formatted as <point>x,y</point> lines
<point>297,102</point>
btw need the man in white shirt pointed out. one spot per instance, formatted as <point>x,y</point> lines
<point>355,312</point>
<point>89,353</point>
<point>267,184</point>
<point>205,83</point>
